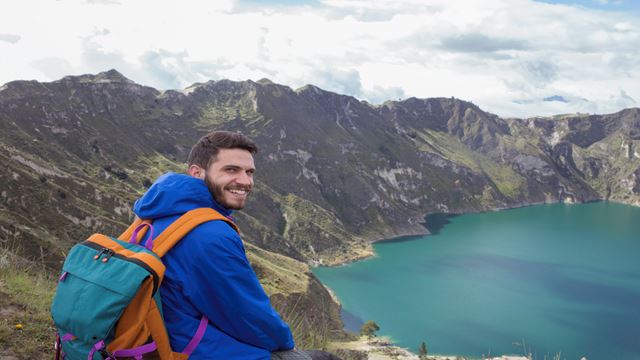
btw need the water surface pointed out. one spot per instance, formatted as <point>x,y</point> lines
<point>544,279</point>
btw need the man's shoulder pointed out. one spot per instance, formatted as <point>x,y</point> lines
<point>213,232</point>
<point>221,226</point>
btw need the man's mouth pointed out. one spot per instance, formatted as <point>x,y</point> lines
<point>241,192</point>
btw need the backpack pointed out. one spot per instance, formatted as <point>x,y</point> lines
<point>107,304</point>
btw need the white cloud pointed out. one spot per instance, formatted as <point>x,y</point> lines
<point>507,56</point>
<point>103,2</point>
<point>10,38</point>
<point>53,67</point>
<point>479,43</point>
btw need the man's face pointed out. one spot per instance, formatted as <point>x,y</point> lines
<point>230,177</point>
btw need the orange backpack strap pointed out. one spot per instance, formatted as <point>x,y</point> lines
<point>183,225</point>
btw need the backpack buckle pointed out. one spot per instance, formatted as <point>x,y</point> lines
<point>106,355</point>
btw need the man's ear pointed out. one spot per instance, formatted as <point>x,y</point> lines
<point>196,171</point>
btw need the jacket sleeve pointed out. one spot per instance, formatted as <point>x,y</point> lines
<point>224,287</point>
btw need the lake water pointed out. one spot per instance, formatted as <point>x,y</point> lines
<point>547,280</point>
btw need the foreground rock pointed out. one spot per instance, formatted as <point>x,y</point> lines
<point>381,348</point>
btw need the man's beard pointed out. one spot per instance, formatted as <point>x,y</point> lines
<point>217,192</point>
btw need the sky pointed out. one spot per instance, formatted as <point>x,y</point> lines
<point>514,58</point>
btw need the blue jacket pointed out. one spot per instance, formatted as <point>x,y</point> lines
<point>208,273</point>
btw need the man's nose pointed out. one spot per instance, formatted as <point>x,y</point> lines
<point>244,179</point>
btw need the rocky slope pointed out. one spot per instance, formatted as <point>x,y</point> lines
<point>333,172</point>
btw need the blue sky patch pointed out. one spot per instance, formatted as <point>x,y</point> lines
<point>611,5</point>
<point>556,98</point>
<point>279,2</point>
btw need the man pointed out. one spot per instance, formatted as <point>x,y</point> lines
<point>207,271</point>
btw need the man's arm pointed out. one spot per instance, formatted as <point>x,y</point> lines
<point>224,287</point>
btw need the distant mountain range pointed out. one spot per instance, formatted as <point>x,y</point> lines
<point>334,172</point>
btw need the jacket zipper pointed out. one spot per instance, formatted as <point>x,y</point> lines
<point>111,253</point>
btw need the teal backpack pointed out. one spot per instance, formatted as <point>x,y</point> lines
<point>107,304</point>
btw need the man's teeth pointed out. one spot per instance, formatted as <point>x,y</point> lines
<point>239,192</point>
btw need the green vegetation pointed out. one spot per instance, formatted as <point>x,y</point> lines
<point>369,329</point>
<point>504,177</point>
<point>154,166</point>
<point>422,351</point>
<point>295,293</point>
<point>216,115</point>
<point>306,336</point>
<point>26,292</point>
<point>450,147</point>
<point>26,328</point>
<point>613,163</point>
<point>278,274</point>
<point>306,221</point>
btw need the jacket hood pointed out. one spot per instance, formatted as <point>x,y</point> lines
<point>175,194</point>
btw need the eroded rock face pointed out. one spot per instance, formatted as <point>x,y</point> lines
<point>636,184</point>
<point>533,166</point>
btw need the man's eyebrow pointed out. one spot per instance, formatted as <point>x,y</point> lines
<point>231,166</point>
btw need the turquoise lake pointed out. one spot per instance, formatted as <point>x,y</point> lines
<point>543,279</point>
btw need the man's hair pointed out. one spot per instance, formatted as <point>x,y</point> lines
<point>204,152</point>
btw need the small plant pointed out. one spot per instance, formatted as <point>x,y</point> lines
<point>422,351</point>
<point>369,329</point>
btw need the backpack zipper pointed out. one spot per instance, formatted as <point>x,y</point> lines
<point>99,254</point>
<point>111,253</point>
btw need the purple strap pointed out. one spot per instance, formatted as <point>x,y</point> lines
<point>99,345</point>
<point>149,243</point>
<point>67,337</point>
<point>195,340</point>
<point>63,276</point>
<point>136,352</point>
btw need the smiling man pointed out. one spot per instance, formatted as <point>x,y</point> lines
<point>208,274</point>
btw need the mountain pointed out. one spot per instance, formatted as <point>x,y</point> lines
<point>333,174</point>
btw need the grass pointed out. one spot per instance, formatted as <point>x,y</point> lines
<point>218,114</point>
<point>306,335</point>
<point>507,181</point>
<point>278,274</point>
<point>26,328</point>
<point>154,166</point>
<point>303,218</point>
<point>27,289</point>
<point>286,281</point>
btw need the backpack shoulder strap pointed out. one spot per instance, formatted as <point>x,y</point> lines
<point>183,225</point>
